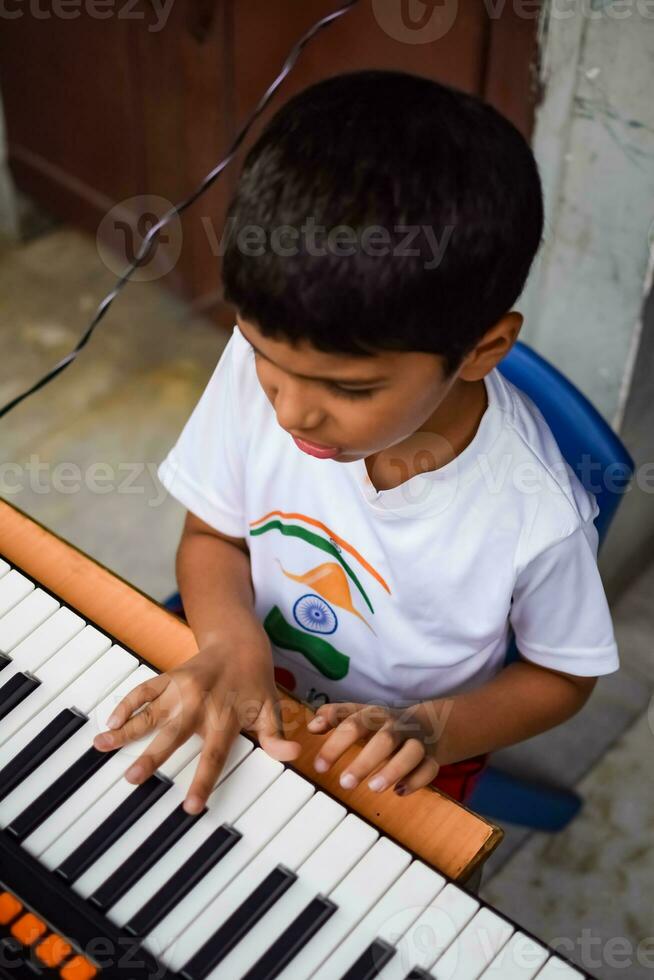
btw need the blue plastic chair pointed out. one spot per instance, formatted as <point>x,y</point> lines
<point>603,465</point>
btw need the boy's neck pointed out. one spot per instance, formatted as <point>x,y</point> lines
<point>437,442</point>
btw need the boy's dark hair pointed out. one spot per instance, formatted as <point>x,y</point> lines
<point>395,152</point>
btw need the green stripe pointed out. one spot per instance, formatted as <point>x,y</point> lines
<point>295,531</point>
<point>322,655</point>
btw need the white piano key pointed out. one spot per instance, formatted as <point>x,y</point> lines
<point>4,567</point>
<point>257,825</point>
<point>368,881</point>
<point>13,588</point>
<point>24,618</point>
<point>226,804</point>
<point>520,959</point>
<point>557,969</point>
<point>101,679</point>
<point>319,874</point>
<point>297,839</point>
<point>432,932</point>
<point>388,920</point>
<point>32,652</point>
<point>474,948</point>
<point>185,759</point>
<point>57,676</point>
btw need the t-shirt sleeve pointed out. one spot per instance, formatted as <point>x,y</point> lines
<point>560,614</point>
<point>205,468</point>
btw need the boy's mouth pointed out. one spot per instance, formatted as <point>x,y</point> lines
<point>316,449</point>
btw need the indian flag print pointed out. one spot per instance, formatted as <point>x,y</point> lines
<point>335,583</point>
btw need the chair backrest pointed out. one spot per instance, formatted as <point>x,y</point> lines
<point>587,442</point>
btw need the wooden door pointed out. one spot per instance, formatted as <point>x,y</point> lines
<point>102,110</point>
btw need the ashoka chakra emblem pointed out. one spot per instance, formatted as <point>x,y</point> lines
<point>314,614</point>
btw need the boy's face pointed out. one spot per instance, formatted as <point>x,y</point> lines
<point>340,407</point>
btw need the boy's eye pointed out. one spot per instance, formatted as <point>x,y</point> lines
<point>352,392</point>
<point>345,392</point>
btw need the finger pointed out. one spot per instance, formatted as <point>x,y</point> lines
<point>342,738</point>
<point>212,760</point>
<point>269,730</point>
<point>331,715</point>
<point>421,776</point>
<point>143,693</point>
<point>167,741</point>
<point>381,750</point>
<point>407,758</point>
<point>134,728</point>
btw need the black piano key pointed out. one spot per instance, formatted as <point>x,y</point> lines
<point>41,747</point>
<point>185,878</point>
<point>4,661</point>
<point>239,923</point>
<point>417,973</point>
<point>16,690</point>
<point>144,857</point>
<point>116,824</point>
<point>292,940</point>
<point>371,962</point>
<point>57,793</point>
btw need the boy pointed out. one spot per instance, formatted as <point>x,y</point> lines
<point>371,506</point>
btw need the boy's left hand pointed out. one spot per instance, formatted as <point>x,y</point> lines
<point>400,749</point>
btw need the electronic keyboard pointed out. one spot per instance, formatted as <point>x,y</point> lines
<point>278,877</point>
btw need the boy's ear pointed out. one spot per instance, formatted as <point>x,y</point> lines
<point>493,346</point>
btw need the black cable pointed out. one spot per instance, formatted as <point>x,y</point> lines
<point>179,208</point>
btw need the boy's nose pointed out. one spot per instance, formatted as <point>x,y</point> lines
<point>295,415</point>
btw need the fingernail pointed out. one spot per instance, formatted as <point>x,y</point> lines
<point>401,789</point>
<point>103,741</point>
<point>193,804</point>
<point>134,773</point>
<point>348,781</point>
<point>112,721</point>
<point>320,765</point>
<point>316,724</point>
<point>377,783</point>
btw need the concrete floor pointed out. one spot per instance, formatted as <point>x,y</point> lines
<point>80,456</point>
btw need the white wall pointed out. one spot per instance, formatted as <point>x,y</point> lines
<point>594,142</point>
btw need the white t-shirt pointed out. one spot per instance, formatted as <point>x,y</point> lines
<point>405,594</point>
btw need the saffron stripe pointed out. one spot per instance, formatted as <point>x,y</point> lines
<point>323,527</point>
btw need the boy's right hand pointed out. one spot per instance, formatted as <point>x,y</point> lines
<point>224,688</point>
